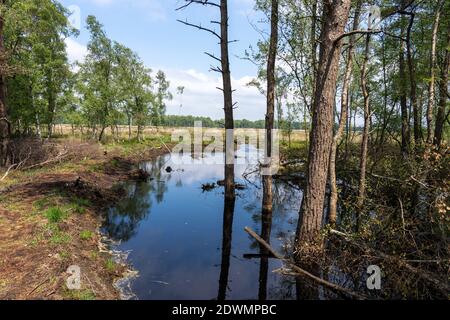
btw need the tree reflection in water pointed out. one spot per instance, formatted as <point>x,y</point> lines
<point>210,240</point>
<point>122,221</point>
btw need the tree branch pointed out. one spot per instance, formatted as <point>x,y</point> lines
<point>213,56</point>
<point>302,272</point>
<point>200,28</point>
<point>202,2</point>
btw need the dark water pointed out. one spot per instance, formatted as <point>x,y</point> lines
<point>189,244</point>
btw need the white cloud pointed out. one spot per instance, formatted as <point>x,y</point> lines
<point>75,51</point>
<point>202,98</point>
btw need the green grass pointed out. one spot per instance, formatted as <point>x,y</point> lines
<point>41,203</point>
<point>65,255</point>
<point>57,237</point>
<point>79,294</point>
<point>110,265</point>
<point>78,205</point>
<point>60,238</point>
<point>86,235</point>
<point>55,214</point>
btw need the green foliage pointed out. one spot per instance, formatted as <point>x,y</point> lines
<point>57,236</point>
<point>79,294</point>
<point>34,32</point>
<point>79,205</point>
<point>86,235</point>
<point>110,265</point>
<point>54,214</point>
<point>116,87</point>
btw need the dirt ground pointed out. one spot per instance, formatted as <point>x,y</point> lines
<point>50,218</point>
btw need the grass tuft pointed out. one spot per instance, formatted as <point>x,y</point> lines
<point>54,214</point>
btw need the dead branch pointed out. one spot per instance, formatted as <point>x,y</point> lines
<point>7,171</point>
<point>301,272</point>
<point>439,284</point>
<point>59,157</point>
<point>201,28</point>
<point>202,2</point>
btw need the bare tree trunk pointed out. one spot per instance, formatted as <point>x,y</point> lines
<point>334,18</point>
<point>365,137</point>
<point>431,89</point>
<point>270,114</point>
<point>343,120</point>
<point>100,137</point>
<point>5,125</point>
<point>228,101</point>
<point>443,93</point>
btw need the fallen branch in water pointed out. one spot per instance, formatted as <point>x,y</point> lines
<point>441,285</point>
<point>301,272</point>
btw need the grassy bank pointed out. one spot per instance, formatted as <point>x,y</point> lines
<point>50,217</point>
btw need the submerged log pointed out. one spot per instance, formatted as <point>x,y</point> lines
<point>301,272</point>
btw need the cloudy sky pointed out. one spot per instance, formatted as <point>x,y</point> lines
<point>149,27</point>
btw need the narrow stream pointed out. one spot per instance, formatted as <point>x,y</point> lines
<point>186,246</point>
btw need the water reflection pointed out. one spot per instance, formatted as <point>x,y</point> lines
<point>228,214</point>
<point>266,227</point>
<point>183,240</point>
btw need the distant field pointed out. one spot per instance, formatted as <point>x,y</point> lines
<point>66,130</point>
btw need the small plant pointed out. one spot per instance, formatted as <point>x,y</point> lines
<point>79,294</point>
<point>64,255</point>
<point>41,203</point>
<point>94,255</point>
<point>110,265</point>
<point>60,238</point>
<point>56,236</point>
<point>55,214</point>
<point>86,235</point>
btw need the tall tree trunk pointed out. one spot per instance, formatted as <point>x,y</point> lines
<point>431,89</point>
<point>343,120</point>
<point>270,113</point>
<point>334,18</point>
<point>412,79</point>
<point>313,44</point>
<point>443,93</point>
<point>406,131</point>
<point>365,137</point>
<point>5,125</point>
<point>51,111</point>
<point>38,126</point>
<point>228,101</point>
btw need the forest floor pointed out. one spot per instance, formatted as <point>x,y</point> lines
<point>50,219</point>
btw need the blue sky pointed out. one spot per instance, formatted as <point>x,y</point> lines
<point>149,27</point>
